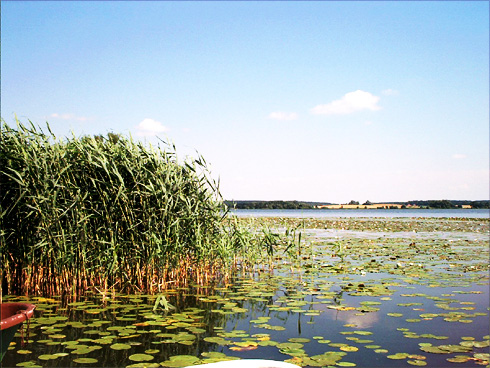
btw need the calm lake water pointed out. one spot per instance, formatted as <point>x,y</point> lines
<point>388,213</point>
<point>380,297</point>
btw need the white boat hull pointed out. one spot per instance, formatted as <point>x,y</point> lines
<point>247,363</point>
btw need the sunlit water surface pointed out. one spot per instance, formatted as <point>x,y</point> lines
<point>376,302</point>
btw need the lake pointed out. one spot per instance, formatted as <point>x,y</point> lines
<point>364,292</point>
<point>388,213</point>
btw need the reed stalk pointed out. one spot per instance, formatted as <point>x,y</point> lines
<point>78,213</point>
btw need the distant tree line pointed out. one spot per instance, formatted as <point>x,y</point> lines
<point>293,205</point>
<point>445,203</point>
<point>276,205</point>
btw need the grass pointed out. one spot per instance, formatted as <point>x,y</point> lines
<point>110,213</point>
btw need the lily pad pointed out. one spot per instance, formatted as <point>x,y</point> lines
<point>398,356</point>
<point>181,361</point>
<point>85,360</point>
<point>48,356</point>
<point>417,362</point>
<point>141,357</point>
<point>349,348</point>
<point>459,359</point>
<point>30,364</point>
<point>216,340</point>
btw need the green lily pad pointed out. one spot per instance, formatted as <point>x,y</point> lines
<point>268,343</point>
<point>417,362</point>
<point>120,346</point>
<point>48,356</point>
<point>61,354</point>
<point>398,356</point>
<point>57,336</point>
<point>459,359</point>
<point>428,315</point>
<point>482,356</point>
<point>349,348</point>
<point>84,350</point>
<point>299,339</point>
<point>481,344</point>
<point>85,360</point>
<point>30,364</point>
<point>181,361</point>
<point>216,340</point>
<point>289,345</point>
<point>292,352</point>
<point>213,355</point>
<point>364,333</point>
<point>141,357</point>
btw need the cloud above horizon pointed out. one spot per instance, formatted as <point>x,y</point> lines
<point>68,117</point>
<point>150,127</point>
<point>351,102</point>
<point>285,116</point>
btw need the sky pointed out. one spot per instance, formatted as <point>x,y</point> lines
<point>327,101</point>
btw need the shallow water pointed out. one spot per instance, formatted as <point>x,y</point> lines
<point>372,302</point>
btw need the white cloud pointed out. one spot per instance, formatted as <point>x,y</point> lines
<point>279,115</point>
<point>390,92</point>
<point>68,117</point>
<point>459,156</point>
<point>349,103</point>
<point>150,127</point>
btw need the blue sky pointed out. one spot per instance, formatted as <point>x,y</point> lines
<point>317,101</point>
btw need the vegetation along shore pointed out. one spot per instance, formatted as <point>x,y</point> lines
<point>292,205</point>
<point>111,213</point>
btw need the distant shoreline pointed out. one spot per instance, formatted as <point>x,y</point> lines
<point>418,204</point>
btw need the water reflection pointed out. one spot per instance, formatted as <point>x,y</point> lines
<point>359,320</point>
<point>439,294</point>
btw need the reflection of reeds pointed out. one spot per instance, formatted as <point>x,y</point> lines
<point>107,212</point>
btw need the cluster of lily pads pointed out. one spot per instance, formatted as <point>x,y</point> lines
<point>374,298</point>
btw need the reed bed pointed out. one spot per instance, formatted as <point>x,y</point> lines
<point>110,213</point>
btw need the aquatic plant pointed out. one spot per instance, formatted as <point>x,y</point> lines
<point>366,314</point>
<point>107,212</point>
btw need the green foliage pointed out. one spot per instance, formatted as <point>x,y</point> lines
<point>480,204</point>
<point>107,211</point>
<point>441,204</point>
<point>289,205</point>
<point>451,203</point>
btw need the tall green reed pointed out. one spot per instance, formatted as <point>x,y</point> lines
<point>108,212</point>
